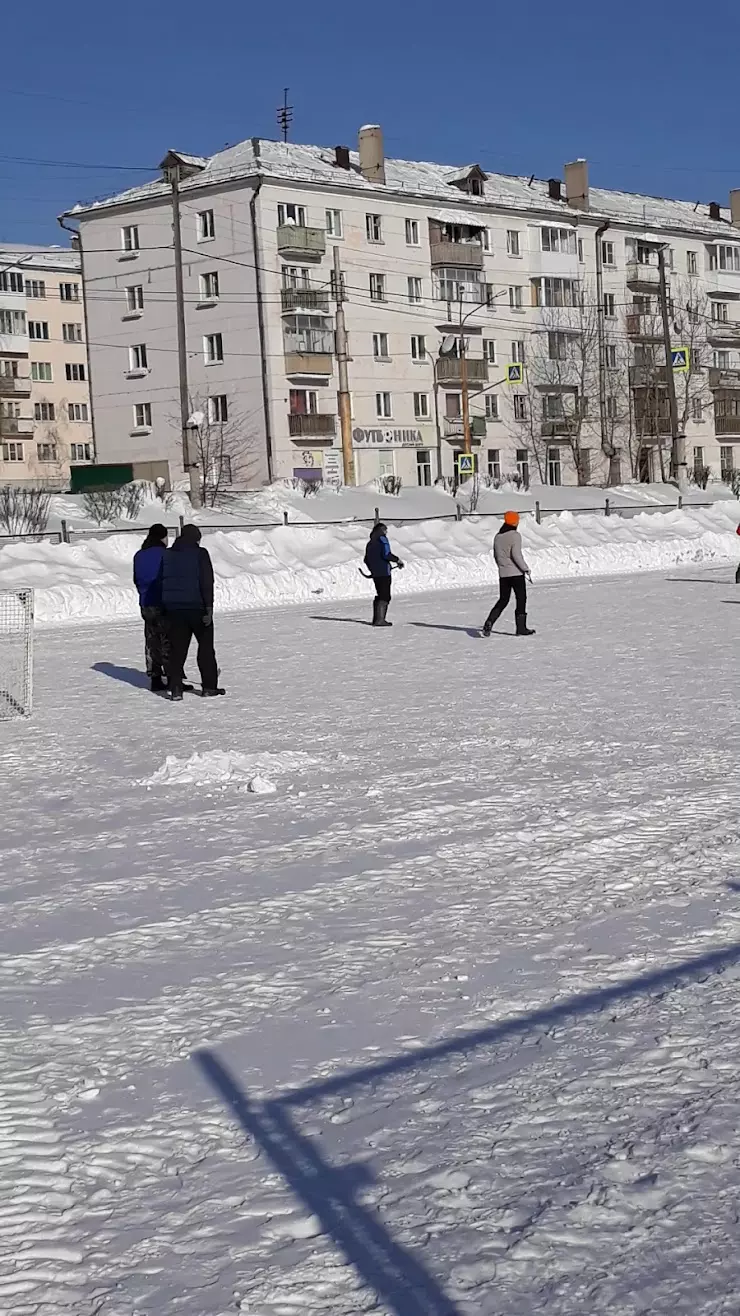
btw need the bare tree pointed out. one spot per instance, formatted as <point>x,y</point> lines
<point>223,446</point>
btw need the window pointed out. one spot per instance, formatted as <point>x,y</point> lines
<point>134,299</point>
<point>554,468</point>
<point>41,370</point>
<point>698,458</point>
<point>44,411</point>
<point>334,223</point>
<point>72,333</point>
<point>418,347</point>
<point>697,410</point>
<point>491,401</point>
<point>721,360</point>
<point>555,292</point>
<point>38,330</point>
<point>515,297</point>
<point>522,466</point>
<point>303,402</point>
<point>453,406</point>
<point>380,347</point>
<point>10,409</point>
<point>520,406</point>
<point>559,240</point>
<point>423,467</point>
<point>13,452</point>
<point>69,292</point>
<point>374,228</point>
<point>207,225</point>
<point>412,233</point>
<point>46,452</point>
<point>720,312</point>
<point>489,351</point>
<point>517,350</point>
<point>81,452</point>
<point>143,415</point>
<point>691,263</point>
<point>607,253</point>
<point>294,276</point>
<point>454,284</point>
<point>377,287</point>
<point>288,213</point>
<point>35,288</point>
<point>130,237</point>
<point>75,370</point>
<point>557,346</point>
<point>421,406</point>
<point>612,410</point>
<point>12,322</point>
<point>513,244</point>
<point>218,409</point>
<point>11,281</point>
<point>414,286</point>
<point>209,286</point>
<point>610,307</point>
<point>581,256</point>
<point>610,356</point>
<point>724,258</point>
<point>213,348</point>
<point>137,357</point>
<point>553,407</point>
<point>726,462</point>
<point>493,463</point>
<point>9,369</point>
<point>307,333</point>
<point>383,407</point>
<point>77,411</point>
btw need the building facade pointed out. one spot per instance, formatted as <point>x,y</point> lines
<point>546,294</point>
<point>45,414</point>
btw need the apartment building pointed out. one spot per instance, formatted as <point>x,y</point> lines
<point>444,270</point>
<point>45,417</point>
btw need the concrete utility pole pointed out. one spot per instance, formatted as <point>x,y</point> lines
<point>607,443</point>
<point>678,441</point>
<point>343,398</point>
<point>191,467</point>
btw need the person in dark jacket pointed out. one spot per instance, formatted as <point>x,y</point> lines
<point>187,600</point>
<point>379,561</point>
<point>512,573</point>
<point>148,581</point>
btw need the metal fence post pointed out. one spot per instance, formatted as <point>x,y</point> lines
<point>182,522</point>
<point>537,513</point>
<point>458,512</point>
<point>285,516</point>
<point>607,507</point>
<point>680,502</point>
<point>65,532</point>
<point>377,515</point>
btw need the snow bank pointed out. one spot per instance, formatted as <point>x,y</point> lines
<point>225,767</point>
<point>91,580</point>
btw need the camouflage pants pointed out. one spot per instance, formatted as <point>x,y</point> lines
<point>156,644</point>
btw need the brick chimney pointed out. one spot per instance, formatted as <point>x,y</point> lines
<point>576,184</point>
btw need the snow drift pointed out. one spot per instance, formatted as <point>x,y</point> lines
<point>91,581</point>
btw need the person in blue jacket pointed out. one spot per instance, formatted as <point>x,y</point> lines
<point>148,581</point>
<point>187,600</point>
<point>379,561</point>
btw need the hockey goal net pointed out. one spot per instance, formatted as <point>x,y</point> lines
<point>16,652</point>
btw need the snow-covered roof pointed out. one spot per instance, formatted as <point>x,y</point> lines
<point>49,258</point>
<point>316,165</point>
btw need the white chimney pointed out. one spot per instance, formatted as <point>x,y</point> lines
<point>576,184</point>
<point>372,156</point>
<point>735,208</point>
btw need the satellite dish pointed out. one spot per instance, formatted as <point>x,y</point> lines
<point>289,221</point>
<point>196,420</point>
<point>448,344</point>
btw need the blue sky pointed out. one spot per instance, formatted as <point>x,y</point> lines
<point>646,91</point>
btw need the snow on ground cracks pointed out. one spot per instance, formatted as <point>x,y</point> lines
<point>447,1025</point>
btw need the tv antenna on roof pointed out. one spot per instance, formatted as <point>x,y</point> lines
<point>285,115</point>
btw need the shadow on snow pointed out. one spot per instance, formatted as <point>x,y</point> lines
<point>129,675</point>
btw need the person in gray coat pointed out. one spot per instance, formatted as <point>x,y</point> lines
<point>512,572</point>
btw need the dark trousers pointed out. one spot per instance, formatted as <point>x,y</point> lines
<point>155,642</point>
<point>181,627</point>
<point>508,585</point>
<point>383,588</point>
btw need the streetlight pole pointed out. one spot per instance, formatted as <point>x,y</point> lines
<point>435,378</point>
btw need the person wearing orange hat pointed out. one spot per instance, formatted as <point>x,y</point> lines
<point>512,575</point>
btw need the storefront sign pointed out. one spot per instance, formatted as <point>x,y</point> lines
<point>387,439</point>
<point>333,466</point>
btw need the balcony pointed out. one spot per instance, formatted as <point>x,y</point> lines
<point>316,424</point>
<point>308,363</point>
<point>563,427</point>
<point>467,254</point>
<point>14,387</point>
<point>724,331</point>
<point>453,427</point>
<point>449,370</point>
<point>639,275</point>
<point>296,240</point>
<point>304,299</point>
<point>16,427</point>
<point>646,327</point>
<point>720,378</point>
<point>726,425</point>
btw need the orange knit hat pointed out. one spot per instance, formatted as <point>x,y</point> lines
<point>511,518</point>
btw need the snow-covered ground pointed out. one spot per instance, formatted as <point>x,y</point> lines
<point>445,1025</point>
<point>91,579</point>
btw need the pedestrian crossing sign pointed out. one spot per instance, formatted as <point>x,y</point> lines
<point>681,358</point>
<point>515,373</point>
<point>465,465</point>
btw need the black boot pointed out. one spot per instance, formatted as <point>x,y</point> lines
<point>382,610</point>
<point>176,693</point>
<point>156,684</point>
<point>521,624</point>
<point>210,694</point>
<point>737,576</point>
<point>376,605</point>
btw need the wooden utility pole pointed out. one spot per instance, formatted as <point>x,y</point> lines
<point>678,441</point>
<point>343,398</point>
<point>192,468</point>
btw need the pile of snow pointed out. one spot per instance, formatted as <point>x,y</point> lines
<point>91,580</point>
<point>253,772</point>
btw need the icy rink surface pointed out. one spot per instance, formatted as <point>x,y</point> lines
<point>444,1025</point>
